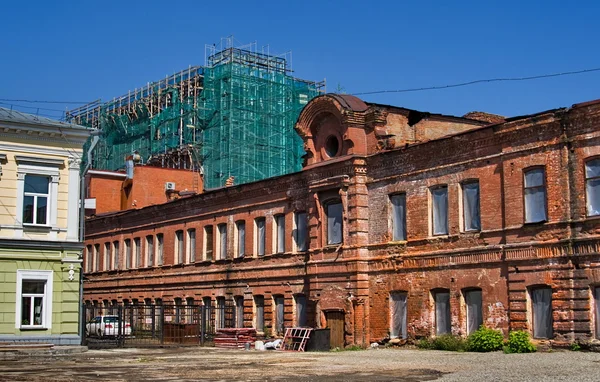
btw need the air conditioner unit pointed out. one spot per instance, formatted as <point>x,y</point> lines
<point>170,186</point>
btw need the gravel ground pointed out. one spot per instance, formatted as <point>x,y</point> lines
<point>204,364</point>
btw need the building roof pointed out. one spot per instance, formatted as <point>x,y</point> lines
<point>14,116</point>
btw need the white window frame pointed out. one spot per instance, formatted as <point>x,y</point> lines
<point>47,277</point>
<point>43,167</point>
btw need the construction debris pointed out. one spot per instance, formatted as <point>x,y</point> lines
<point>235,338</point>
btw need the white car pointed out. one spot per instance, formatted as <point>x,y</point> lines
<point>106,326</point>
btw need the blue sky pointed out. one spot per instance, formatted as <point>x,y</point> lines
<point>85,50</point>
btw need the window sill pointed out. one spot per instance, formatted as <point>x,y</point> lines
<point>529,224</point>
<point>398,241</point>
<point>37,227</point>
<point>32,328</point>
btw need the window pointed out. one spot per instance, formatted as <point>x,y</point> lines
<point>334,211</point>
<point>179,247</point>
<point>301,231</point>
<point>97,257</point>
<point>240,228</point>
<point>279,234</point>
<point>178,302</point>
<point>239,312</point>
<point>220,313</point>
<point>442,312</point>
<point>535,196</point>
<point>471,213</point>
<point>541,302</point>
<point>474,309</point>
<point>160,257</point>
<point>398,202</point>
<point>138,252</point>
<point>398,315</point>
<point>279,313</point>
<point>35,199</point>
<point>128,253</point>
<point>259,313</point>
<point>222,241</point>
<point>597,309</point>
<point>439,214</point>
<point>260,236</point>
<point>116,255</point>
<point>191,246</point>
<point>300,301</point>
<point>149,251</point>
<point>207,303</point>
<point>89,263</point>
<point>592,186</point>
<point>208,242</point>
<point>34,299</point>
<point>107,257</point>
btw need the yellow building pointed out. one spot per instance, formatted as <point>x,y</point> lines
<point>40,239</point>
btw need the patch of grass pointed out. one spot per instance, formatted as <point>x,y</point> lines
<point>575,346</point>
<point>444,342</point>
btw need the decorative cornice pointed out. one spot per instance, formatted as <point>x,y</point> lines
<point>36,161</point>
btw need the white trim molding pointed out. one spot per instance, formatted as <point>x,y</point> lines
<point>28,274</point>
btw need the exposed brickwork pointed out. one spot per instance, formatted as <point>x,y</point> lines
<point>505,259</point>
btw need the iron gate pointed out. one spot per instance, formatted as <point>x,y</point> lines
<point>153,325</point>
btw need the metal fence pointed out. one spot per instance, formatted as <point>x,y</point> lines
<point>153,325</point>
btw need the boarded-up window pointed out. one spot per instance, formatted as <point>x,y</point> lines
<point>116,255</point>
<point>334,212</point>
<point>241,238</point>
<point>179,247</point>
<point>128,253</point>
<point>592,186</point>
<point>138,252</point>
<point>191,245</point>
<point>398,216</point>
<point>280,233</point>
<point>222,241</point>
<point>541,301</point>
<point>260,236</point>
<point>301,232</point>
<point>398,315</point>
<point>97,257</point>
<point>107,257</point>
<point>535,196</point>
<point>208,242</point>
<point>239,312</point>
<point>149,251</point>
<point>160,257</point>
<point>279,310</point>
<point>300,310</point>
<point>89,260</point>
<point>259,313</point>
<point>442,312</point>
<point>439,211</point>
<point>597,310</point>
<point>473,301</point>
<point>471,212</point>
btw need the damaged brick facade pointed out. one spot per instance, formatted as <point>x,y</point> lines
<point>358,156</point>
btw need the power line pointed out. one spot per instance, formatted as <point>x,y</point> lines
<point>480,81</point>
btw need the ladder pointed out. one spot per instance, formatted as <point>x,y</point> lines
<point>295,339</point>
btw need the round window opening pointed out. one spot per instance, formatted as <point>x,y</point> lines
<point>332,145</point>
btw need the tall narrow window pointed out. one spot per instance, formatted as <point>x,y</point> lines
<point>208,242</point>
<point>116,254</point>
<point>301,232</point>
<point>160,243</point>
<point>207,303</point>
<point>241,238</point>
<point>535,196</point>
<point>260,236</point>
<point>89,258</point>
<point>334,212</point>
<point>474,309</point>
<point>279,231</point>
<point>471,213</point>
<point>222,241</point>
<point>220,313</point>
<point>439,204</point>
<point>137,242</point>
<point>300,319</point>
<point>259,313</point>
<point>97,257</point>
<point>191,245</point>
<point>398,315</point>
<point>442,312</point>
<point>398,216</point>
<point>128,253</point>
<point>592,186</point>
<point>179,247</point>
<point>149,250</point>
<point>35,199</point>
<point>239,312</point>
<point>107,257</point>
<point>178,302</point>
<point>597,310</point>
<point>541,302</point>
<point>279,313</point>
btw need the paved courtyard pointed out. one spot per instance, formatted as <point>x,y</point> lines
<point>209,364</point>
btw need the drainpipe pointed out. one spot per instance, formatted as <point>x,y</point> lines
<point>95,135</point>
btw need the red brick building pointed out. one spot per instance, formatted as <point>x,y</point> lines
<point>401,224</point>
